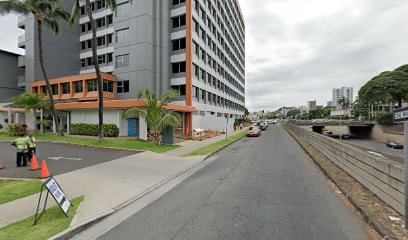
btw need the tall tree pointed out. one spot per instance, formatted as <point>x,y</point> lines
<point>74,13</point>
<point>158,118</point>
<point>46,12</point>
<point>344,103</point>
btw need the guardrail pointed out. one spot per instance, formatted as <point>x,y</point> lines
<point>381,176</point>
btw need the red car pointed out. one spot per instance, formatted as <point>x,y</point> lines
<point>254,132</point>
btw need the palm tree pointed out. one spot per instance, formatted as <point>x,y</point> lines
<point>158,118</point>
<point>75,10</point>
<point>45,12</point>
<point>32,102</point>
<point>344,103</point>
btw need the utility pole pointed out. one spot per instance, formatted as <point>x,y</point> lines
<point>226,130</point>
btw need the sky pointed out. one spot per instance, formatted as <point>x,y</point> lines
<point>299,50</point>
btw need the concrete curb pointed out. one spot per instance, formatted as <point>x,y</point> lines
<point>369,221</point>
<point>212,154</point>
<point>68,233</point>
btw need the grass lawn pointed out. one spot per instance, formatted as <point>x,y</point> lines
<point>130,144</point>
<point>11,190</point>
<point>210,149</point>
<point>51,223</point>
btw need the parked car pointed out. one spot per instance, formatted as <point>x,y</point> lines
<point>395,145</point>
<point>254,132</point>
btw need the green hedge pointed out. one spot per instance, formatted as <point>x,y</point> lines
<point>109,130</point>
<point>385,119</point>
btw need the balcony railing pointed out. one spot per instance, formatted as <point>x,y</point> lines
<point>21,61</point>
<point>21,39</point>
<point>21,18</point>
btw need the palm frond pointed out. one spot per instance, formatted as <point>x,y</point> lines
<point>168,97</point>
<point>74,12</point>
<point>15,7</point>
<point>112,4</point>
<point>52,25</point>
<point>134,113</point>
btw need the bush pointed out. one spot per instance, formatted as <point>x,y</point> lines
<point>16,129</point>
<point>85,129</point>
<point>385,119</point>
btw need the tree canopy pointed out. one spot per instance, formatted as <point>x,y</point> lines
<point>389,86</point>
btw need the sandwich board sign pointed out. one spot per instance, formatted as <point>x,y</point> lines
<point>53,188</point>
<point>401,115</point>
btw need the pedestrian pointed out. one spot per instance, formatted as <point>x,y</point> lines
<point>32,146</point>
<point>22,150</point>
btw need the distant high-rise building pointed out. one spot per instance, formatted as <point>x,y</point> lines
<point>339,93</point>
<point>311,105</point>
<point>330,103</point>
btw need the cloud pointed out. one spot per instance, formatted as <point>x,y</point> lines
<point>299,50</point>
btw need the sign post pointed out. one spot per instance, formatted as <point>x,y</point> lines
<point>57,193</point>
<point>401,116</point>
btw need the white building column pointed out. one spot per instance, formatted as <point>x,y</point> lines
<point>68,122</point>
<point>54,130</point>
<point>9,116</point>
<point>17,117</point>
<point>142,128</point>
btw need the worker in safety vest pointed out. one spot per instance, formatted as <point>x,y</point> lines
<point>22,150</point>
<point>32,146</point>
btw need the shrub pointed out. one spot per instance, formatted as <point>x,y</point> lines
<point>16,129</point>
<point>85,129</point>
<point>385,119</point>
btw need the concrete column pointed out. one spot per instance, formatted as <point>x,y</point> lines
<point>142,128</point>
<point>68,122</point>
<point>30,120</point>
<point>9,116</point>
<point>17,117</point>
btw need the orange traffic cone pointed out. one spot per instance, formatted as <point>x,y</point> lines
<point>1,165</point>
<point>34,164</point>
<point>44,171</point>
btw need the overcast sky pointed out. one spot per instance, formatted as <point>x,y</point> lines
<point>298,50</point>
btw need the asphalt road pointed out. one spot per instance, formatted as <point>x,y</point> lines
<point>60,158</point>
<point>259,188</point>
<point>367,145</point>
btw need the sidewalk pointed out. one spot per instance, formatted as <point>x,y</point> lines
<point>108,185</point>
<point>190,146</point>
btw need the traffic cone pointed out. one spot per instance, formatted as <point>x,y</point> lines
<point>1,165</point>
<point>34,164</point>
<point>44,171</point>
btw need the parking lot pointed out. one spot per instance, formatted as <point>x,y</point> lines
<point>60,158</point>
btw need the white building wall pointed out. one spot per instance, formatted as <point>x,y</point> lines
<point>213,122</point>
<point>109,117</point>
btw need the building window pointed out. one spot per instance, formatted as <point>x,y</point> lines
<point>65,88</point>
<point>122,9</point>
<point>83,62</point>
<point>122,60</point>
<point>83,45</point>
<point>122,86</point>
<point>78,87</point>
<point>100,4</point>
<point>100,22</point>
<point>179,44</point>
<point>110,57</point>
<point>109,38</point>
<point>101,59</point>
<point>101,41</point>
<point>54,89</point>
<point>122,35</point>
<point>92,85</point>
<point>177,2</point>
<point>108,86</point>
<point>109,19</point>
<point>196,71</point>
<point>179,21</point>
<point>83,28</point>
<point>178,67</point>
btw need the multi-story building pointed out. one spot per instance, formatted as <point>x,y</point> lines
<point>12,75</point>
<point>311,105</point>
<point>196,47</point>
<point>343,92</point>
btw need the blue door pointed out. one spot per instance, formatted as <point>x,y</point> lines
<point>133,127</point>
